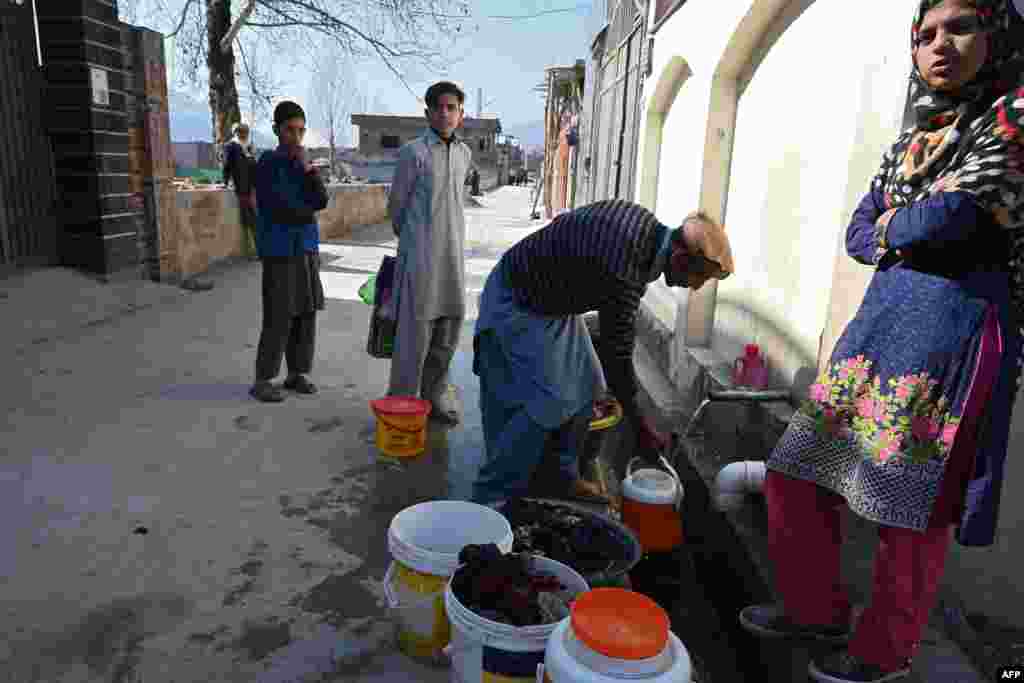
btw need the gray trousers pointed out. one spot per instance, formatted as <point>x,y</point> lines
<point>422,355</point>
<point>290,338</point>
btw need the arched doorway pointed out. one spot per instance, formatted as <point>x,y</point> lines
<point>662,300</point>
<point>673,75</point>
<point>752,40</point>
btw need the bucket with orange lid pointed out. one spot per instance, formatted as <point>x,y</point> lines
<point>614,635</point>
<point>401,425</point>
<point>651,502</point>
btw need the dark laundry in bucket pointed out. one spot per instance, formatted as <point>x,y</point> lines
<point>590,544</point>
<point>501,588</point>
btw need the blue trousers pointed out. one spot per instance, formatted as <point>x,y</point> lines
<point>516,444</point>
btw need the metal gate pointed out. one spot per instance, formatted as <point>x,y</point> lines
<point>28,225</point>
<point>616,106</point>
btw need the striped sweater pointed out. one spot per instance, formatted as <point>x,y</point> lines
<point>596,258</point>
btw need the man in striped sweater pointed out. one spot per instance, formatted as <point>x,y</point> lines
<point>537,366</point>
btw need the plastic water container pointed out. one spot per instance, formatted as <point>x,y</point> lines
<point>651,501</point>
<point>401,425</point>
<point>750,370</point>
<point>615,635</point>
<point>485,651</point>
<point>425,541</point>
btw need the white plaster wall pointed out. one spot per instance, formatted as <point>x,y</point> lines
<point>797,130</point>
<point>704,31</point>
<point>811,128</point>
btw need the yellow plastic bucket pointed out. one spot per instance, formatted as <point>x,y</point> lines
<point>425,541</point>
<point>401,425</point>
<point>424,629</point>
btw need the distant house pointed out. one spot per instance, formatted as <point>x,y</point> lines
<point>195,154</point>
<point>381,135</point>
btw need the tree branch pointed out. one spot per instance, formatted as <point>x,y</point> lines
<point>513,17</point>
<point>243,16</point>
<point>181,22</point>
<point>256,88</point>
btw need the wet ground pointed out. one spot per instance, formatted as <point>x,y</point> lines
<point>159,525</point>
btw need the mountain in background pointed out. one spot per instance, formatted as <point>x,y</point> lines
<point>190,122</point>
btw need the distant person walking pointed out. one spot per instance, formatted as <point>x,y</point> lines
<point>239,171</point>
<point>289,192</point>
<point>426,209</point>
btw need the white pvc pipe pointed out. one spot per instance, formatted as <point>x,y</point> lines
<point>736,480</point>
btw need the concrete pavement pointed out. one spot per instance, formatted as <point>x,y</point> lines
<point>159,525</point>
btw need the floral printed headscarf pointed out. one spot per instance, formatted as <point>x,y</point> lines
<point>971,140</point>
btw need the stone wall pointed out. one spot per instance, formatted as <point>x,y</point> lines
<point>200,228</point>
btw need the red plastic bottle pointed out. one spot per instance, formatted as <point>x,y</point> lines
<point>750,369</point>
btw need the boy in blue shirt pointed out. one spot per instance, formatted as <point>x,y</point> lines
<point>289,192</point>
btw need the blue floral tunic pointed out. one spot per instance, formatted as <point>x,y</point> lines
<point>882,420</point>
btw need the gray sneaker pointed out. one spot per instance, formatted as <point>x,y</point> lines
<point>769,621</point>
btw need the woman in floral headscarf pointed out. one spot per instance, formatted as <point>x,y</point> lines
<point>908,424</point>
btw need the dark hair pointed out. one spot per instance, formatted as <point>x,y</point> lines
<point>287,110</point>
<point>435,91</point>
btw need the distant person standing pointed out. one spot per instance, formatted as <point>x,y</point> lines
<point>239,170</point>
<point>476,182</point>
<point>426,209</point>
<point>289,192</point>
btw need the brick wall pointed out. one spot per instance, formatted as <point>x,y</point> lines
<point>150,155</point>
<point>83,58</point>
<point>200,228</point>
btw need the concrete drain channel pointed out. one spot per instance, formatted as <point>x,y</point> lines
<point>704,584</point>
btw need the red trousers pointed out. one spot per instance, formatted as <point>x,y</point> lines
<point>804,539</point>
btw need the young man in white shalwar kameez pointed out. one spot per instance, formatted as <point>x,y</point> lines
<point>426,209</point>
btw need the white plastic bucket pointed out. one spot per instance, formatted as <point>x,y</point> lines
<point>425,541</point>
<point>484,651</point>
<point>569,661</point>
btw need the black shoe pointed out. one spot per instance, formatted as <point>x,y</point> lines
<point>300,385</point>
<point>266,392</point>
<point>842,667</point>
<point>769,621</point>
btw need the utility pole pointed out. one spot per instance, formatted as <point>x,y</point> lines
<point>479,103</point>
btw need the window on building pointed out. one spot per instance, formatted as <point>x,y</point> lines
<point>390,141</point>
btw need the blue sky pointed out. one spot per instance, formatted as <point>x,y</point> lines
<point>505,58</point>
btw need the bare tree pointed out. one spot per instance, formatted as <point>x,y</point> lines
<point>333,94</point>
<point>404,35</point>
